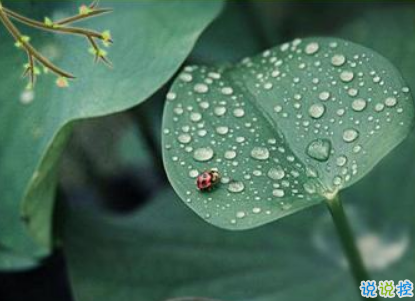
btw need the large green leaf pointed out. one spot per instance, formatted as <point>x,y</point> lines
<point>152,38</point>
<point>285,129</point>
<point>165,251</point>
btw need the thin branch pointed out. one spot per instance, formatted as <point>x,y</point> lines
<point>57,27</point>
<point>98,55</point>
<point>32,69</point>
<point>60,29</point>
<point>28,47</point>
<point>79,17</point>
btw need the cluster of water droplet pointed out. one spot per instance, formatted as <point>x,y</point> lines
<point>333,97</point>
<point>232,121</point>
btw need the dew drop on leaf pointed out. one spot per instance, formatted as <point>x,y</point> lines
<point>260,153</point>
<point>203,154</point>
<point>346,76</point>
<point>276,173</point>
<point>236,187</point>
<point>338,60</point>
<point>350,135</point>
<point>319,149</point>
<point>317,110</point>
<point>359,104</point>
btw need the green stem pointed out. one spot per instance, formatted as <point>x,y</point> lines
<point>347,240</point>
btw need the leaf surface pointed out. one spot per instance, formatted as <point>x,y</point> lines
<point>152,39</point>
<point>285,129</point>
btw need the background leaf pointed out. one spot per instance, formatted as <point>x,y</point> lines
<point>151,41</point>
<point>285,129</point>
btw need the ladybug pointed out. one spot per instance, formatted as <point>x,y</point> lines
<point>207,180</point>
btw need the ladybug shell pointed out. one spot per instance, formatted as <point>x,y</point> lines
<point>206,180</point>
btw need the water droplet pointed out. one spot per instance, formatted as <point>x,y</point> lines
<point>311,48</point>
<point>337,181</point>
<point>227,90</point>
<point>195,116</point>
<point>346,76</point>
<point>338,60</point>
<point>171,96</point>
<point>219,111</point>
<point>178,110</point>
<point>379,107</point>
<point>276,173</point>
<point>204,105</point>
<point>256,210</point>
<point>238,112</point>
<point>391,101</point>
<point>184,138</point>
<point>186,77</point>
<point>350,135</point>
<point>316,110</point>
<point>203,154</point>
<point>222,130</point>
<point>279,193</point>
<point>240,214</point>
<point>359,104</point>
<point>319,149</point>
<point>352,92</point>
<point>275,73</point>
<point>236,187</point>
<point>268,86</point>
<point>341,161</point>
<point>324,95</point>
<point>260,153</point>
<point>193,173</point>
<point>278,108</point>
<point>230,154</point>
<point>201,88</point>
<point>310,187</point>
<point>240,139</point>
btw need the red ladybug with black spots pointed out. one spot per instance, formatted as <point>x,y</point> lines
<point>207,180</point>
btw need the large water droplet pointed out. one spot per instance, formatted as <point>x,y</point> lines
<point>319,149</point>
<point>276,173</point>
<point>222,130</point>
<point>203,154</point>
<point>317,110</point>
<point>338,60</point>
<point>219,111</point>
<point>391,101</point>
<point>350,135</point>
<point>346,76</point>
<point>260,153</point>
<point>311,48</point>
<point>238,112</point>
<point>195,116</point>
<point>359,104</point>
